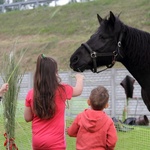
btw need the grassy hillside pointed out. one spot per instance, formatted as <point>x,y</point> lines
<point>58,31</point>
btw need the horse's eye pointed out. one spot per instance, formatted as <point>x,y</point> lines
<point>101,37</point>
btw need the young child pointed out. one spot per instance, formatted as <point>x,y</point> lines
<point>93,128</point>
<point>45,105</point>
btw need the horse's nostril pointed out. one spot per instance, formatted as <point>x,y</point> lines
<point>75,59</point>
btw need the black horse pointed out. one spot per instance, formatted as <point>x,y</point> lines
<point>115,41</point>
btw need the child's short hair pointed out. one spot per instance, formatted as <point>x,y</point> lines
<point>99,98</point>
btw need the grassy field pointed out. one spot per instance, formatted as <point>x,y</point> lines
<point>59,31</point>
<point>135,139</point>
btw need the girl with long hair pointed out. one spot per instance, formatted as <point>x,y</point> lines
<point>45,105</point>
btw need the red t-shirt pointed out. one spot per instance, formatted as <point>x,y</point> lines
<point>50,134</point>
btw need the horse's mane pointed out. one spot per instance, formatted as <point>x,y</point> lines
<point>137,45</point>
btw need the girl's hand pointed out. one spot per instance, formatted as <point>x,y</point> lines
<point>79,76</point>
<point>4,88</point>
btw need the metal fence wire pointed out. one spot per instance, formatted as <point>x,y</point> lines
<point>135,139</point>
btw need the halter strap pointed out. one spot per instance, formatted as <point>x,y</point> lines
<point>115,53</point>
<point>119,51</point>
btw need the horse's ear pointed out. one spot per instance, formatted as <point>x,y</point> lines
<point>99,18</point>
<point>112,19</point>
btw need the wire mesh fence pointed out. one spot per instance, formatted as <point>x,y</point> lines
<point>129,137</point>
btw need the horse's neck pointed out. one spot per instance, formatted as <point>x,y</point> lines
<point>136,47</point>
<point>135,38</point>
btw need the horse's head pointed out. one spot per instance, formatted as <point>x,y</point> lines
<point>102,47</point>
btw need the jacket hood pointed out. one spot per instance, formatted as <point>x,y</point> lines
<point>93,120</point>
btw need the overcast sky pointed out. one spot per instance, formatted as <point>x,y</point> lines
<point>61,2</point>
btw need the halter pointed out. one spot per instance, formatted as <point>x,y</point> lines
<point>115,53</point>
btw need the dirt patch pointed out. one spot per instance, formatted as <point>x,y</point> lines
<point>60,48</point>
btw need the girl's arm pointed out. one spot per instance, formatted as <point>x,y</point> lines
<point>28,115</point>
<point>77,90</point>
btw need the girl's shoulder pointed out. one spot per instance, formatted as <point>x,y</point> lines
<point>66,86</point>
<point>30,94</point>
<point>30,91</point>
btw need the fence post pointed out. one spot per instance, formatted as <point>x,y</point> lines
<point>70,77</point>
<point>30,83</point>
<point>113,97</point>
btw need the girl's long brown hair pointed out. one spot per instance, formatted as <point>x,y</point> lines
<point>46,82</point>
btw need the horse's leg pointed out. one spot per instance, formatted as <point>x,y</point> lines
<point>146,97</point>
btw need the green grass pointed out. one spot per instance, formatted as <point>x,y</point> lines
<point>59,31</point>
<point>136,139</point>
<point>76,18</point>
